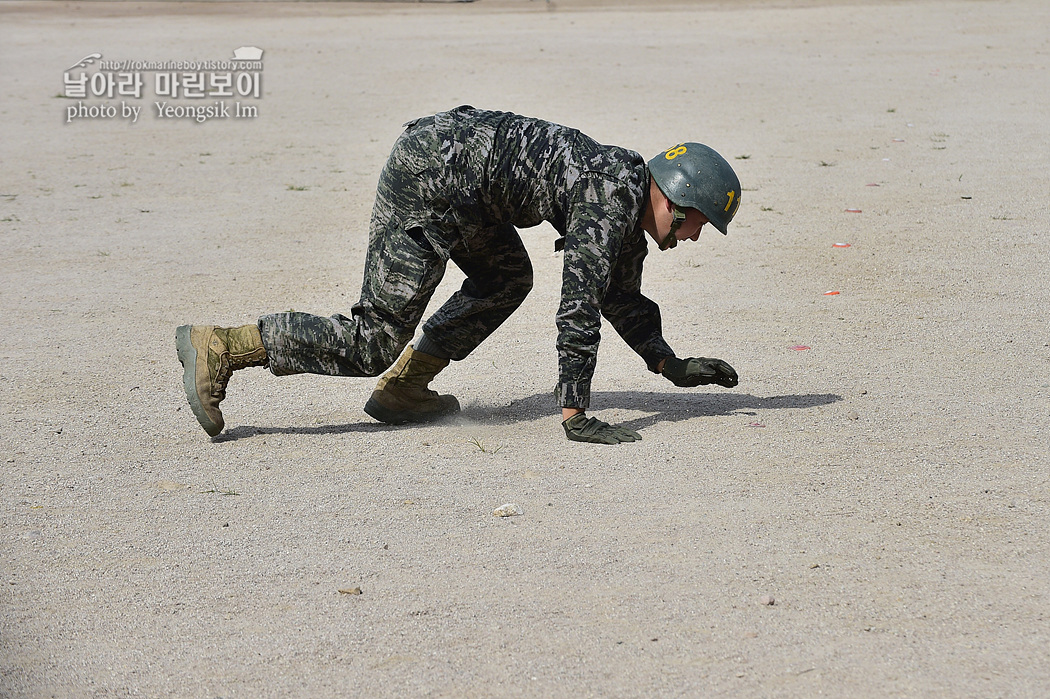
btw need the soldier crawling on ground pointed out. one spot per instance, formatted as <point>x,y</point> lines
<point>456,187</point>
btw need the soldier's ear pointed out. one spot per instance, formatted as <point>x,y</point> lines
<point>668,205</point>
<point>658,198</point>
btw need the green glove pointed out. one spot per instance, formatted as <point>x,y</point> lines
<point>580,428</point>
<point>699,371</point>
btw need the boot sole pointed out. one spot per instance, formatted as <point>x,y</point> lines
<point>382,413</point>
<point>188,358</point>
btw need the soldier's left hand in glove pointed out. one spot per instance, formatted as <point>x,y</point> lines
<point>580,428</point>
<point>699,371</point>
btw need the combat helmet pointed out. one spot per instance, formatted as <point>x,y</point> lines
<point>694,176</point>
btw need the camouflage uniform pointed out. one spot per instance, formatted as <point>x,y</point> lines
<point>456,186</point>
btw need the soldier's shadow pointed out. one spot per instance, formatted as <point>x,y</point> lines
<point>661,407</point>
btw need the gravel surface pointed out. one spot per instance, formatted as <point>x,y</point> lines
<point>865,515</point>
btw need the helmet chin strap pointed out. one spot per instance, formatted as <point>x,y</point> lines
<point>670,240</point>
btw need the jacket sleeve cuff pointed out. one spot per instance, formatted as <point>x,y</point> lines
<point>654,353</point>
<point>573,394</point>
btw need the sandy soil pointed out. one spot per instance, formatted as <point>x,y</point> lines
<point>887,487</point>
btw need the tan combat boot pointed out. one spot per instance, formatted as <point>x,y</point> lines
<point>209,355</point>
<point>402,395</point>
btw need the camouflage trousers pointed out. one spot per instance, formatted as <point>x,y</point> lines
<point>411,239</point>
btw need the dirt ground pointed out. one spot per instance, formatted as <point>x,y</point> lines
<point>887,486</point>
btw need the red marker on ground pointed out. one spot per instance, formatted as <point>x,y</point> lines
<point>801,347</point>
<point>840,245</point>
<point>831,293</point>
<point>852,211</point>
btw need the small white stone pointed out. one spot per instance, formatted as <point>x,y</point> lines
<point>508,510</point>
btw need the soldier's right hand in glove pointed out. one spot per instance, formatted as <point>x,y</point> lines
<point>699,371</point>
<point>580,428</point>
